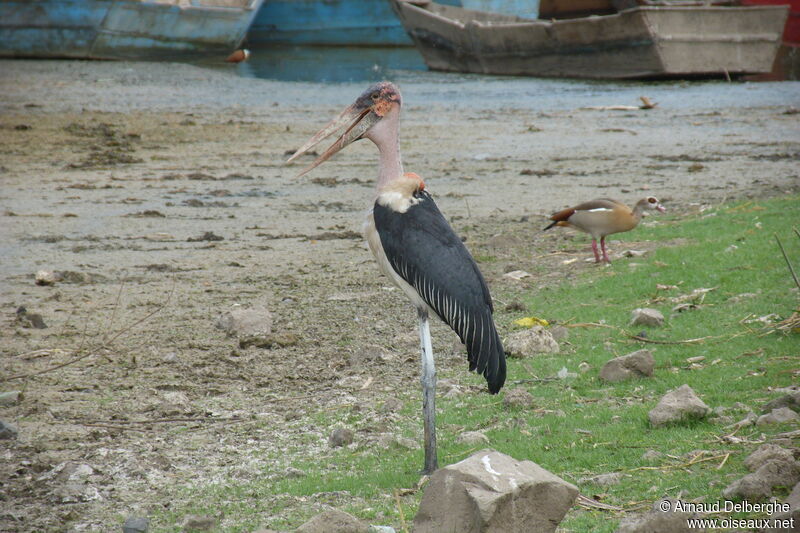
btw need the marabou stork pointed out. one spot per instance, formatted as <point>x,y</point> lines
<point>417,249</point>
<point>602,217</point>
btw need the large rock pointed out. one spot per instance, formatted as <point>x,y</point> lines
<point>665,517</point>
<point>766,453</point>
<point>634,365</point>
<point>780,415</point>
<point>678,405</point>
<point>791,400</point>
<point>334,521</point>
<point>250,321</point>
<point>490,492</point>
<point>786,521</point>
<point>529,342</point>
<point>758,485</point>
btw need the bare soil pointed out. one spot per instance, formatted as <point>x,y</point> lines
<point>119,179</point>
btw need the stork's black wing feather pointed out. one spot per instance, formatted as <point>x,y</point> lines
<point>425,251</point>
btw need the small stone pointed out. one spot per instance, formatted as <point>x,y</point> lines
<point>340,437</point>
<point>7,399</point>
<point>45,278</point>
<point>135,524</point>
<point>7,430</point>
<point>758,485</point>
<point>392,405</point>
<point>678,405</point>
<point>30,320</point>
<point>766,453</point>
<point>518,398</point>
<point>778,416</point>
<point>472,438</point>
<point>250,321</point>
<point>638,364</point>
<point>529,342</point>
<point>199,523</point>
<point>584,367</point>
<point>647,317</point>
<point>334,521</point>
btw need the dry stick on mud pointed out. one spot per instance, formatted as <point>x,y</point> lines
<point>106,343</point>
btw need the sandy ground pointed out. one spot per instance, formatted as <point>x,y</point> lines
<point>108,170</point>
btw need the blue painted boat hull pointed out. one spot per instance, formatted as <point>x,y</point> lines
<point>352,22</point>
<point>119,29</point>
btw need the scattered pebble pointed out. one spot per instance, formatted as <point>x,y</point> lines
<point>529,342</point>
<point>135,524</point>
<point>518,398</point>
<point>199,523</point>
<point>678,405</point>
<point>7,430</point>
<point>245,321</point>
<point>30,320</point>
<point>647,317</point>
<point>472,438</point>
<point>7,399</point>
<point>340,437</point>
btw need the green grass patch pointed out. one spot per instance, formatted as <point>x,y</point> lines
<point>580,426</point>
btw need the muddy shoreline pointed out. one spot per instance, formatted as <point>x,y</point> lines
<point>122,173</point>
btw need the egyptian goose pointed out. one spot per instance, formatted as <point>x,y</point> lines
<point>603,216</point>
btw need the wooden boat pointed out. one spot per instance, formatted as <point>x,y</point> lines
<point>351,22</point>
<point>640,42</point>
<point>122,29</point>
<point>787,62</point>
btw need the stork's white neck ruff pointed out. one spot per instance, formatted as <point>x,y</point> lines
<point>398,193</point>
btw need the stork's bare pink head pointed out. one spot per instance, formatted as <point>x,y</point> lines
<point>378,101</point>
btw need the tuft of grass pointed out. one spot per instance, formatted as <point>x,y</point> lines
<point>580,426</point>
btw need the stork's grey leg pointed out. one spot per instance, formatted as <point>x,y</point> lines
<point>428,380</point>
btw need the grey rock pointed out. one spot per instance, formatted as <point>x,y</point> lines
<point>334,521</point>
<point>678,405</point>
<point>759,484</point>
<point>135,524</point>
<point>7,430</point>
<point>491,492</point>
<point>657,520</point>
<point>778,416</point>
<point>638,364</point>
<point>30,320</point>
<point>246,322</point>
<point>472,437</point>
<point>45,278</point>
<point>647,317</point>
<point>382,529</point>
<point>791,400</point>
<point>529,342</point>
<point>10,398</point>
<point>340,437</point>
<point>518,398</point>
<point>766,453</point>
<point>199,523</point>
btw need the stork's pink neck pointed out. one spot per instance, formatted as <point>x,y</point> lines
<point>385,135</point>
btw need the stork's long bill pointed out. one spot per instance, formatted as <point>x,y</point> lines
<point>353,123</point>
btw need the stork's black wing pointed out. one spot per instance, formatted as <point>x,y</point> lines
<point>425,251</point>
